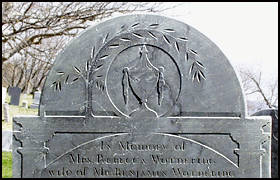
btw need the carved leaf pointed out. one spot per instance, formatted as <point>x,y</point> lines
<point>202,74</point>
<point>98,67</point>
<point>56,86</point>
<point>165,38</point>
<point>200,64</point>
<point>92,52</point>
<point>75,79</point>
<point>187,56</point>
<point>86,66</point>
<point>66,80</point>
<point>103,57</point>
<point>53,84</point>
<point>124,39</point>
<point>193,51</point>
<point>191,68</point>
<point>177,46</point>
<point>154,25</point>
<point>106,37</point>
<point>183,38</point>
<point>137,35</point>
<point>114,46</point>
<point>134,25</point>
<point>100,85</point>
<point>151,34</point>
<point>59,86</point>
<point>169,30</point>
<point>194,75</point>
<point>77,69</point>
<point>198,77</point>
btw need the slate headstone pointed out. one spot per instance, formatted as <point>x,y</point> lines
<point>36,100</point>
<point>14,92</point>
<point>141,96</point>
<point>274,146</point>
<point>4,93</point>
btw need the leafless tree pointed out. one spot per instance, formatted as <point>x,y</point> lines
<point>27,24</point>
<point>254,84</point>
<point>33,32</point>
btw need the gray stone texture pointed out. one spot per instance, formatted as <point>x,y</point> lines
<point>36,100</point>
<point>141,96</point>
<point>274,143</point>
<point>14,92</point>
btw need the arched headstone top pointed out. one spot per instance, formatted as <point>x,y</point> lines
<point>141,96</point>
<point>142,65</point>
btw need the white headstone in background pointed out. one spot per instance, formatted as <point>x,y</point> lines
<point>36,100</point>
<point>4,93</point>
<point>24,96</point>
<point>25,103</point>
<point>7,140</point>
<point>6,112</point>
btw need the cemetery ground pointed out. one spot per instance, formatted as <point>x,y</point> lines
<point>6,164</point>
<point>17,110</point>
<point>7,126</point>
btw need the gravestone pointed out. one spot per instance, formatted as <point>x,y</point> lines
<point>4,93</point>
<point>141,96</point>
<point>274,143</point>
<point>36,100</point>
<point>7,140</point>
<point>25,104</point>
<point>14,92</point>
<point>24,96</point>
<point>6,112</point>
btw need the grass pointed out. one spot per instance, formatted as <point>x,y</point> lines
<point>6,164</point>
<point>17,110</point>
<point>14,110</point>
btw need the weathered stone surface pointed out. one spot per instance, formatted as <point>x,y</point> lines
<point>274,142</point>
<point>142,96</point>
<point>6,112</point>
<point>36,100</point>
<point>14,92</point>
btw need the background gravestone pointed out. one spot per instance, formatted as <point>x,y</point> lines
<point>36,100</point>
<point>25,104</point>
<point>274,146</point>
<point>4,93</point>
<point>7,140</point>
<point>141,96</point>
<point>6,112</point>
<point>14,92</point>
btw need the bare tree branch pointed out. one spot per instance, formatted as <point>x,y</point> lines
<point>253,84</point>
<point>33,32</point>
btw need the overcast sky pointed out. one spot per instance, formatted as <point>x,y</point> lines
<point>247,33</point>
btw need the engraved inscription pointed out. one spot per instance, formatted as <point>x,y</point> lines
<point>165,156</point>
